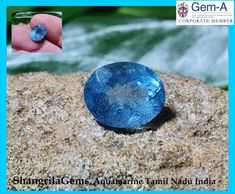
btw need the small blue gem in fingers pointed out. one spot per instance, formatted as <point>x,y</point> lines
<point>38,33</point>
<point>124,95</point>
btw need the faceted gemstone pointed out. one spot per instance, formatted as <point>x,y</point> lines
<point>124,95</point>
<point>38,32</point>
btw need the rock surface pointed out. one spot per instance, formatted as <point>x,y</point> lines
<point>51,133</point>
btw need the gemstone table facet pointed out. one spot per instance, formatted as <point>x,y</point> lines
<point>38,33</point>
<point>124,95</point>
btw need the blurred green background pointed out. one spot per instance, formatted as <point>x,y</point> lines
<point>95,36</point>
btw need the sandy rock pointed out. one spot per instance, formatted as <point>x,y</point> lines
<point>51,133</point>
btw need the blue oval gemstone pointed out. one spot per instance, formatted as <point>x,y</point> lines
<point>38,32</point>
<point>124,95</point>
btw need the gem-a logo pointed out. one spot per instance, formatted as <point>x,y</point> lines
<point>182,9</point>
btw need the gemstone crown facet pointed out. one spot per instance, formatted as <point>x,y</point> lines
<point>124,95</point>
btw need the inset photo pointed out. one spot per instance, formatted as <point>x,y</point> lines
<point>36,32</point>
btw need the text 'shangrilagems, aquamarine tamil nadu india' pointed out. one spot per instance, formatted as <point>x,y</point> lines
<point>124,95</point>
